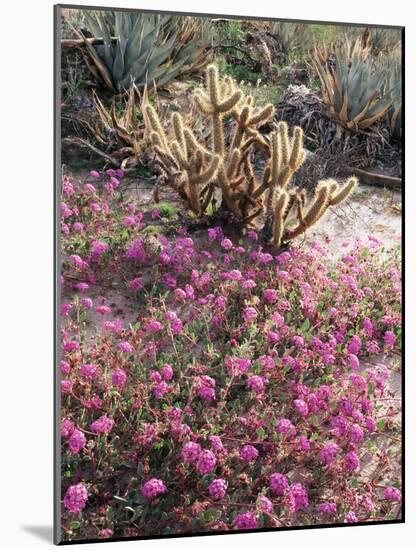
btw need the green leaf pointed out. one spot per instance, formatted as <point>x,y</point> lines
<point>381,425</point>
<point>260,433</point>
<point>305,326</point>
<point>315,421</point>
<point>75,525</point>
<point>209,516</point>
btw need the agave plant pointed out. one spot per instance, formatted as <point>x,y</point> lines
<point>289,36</point>
<point>383,40</point>
<point>142,48</point>
<point>352,88</point>
<point>393,86</point>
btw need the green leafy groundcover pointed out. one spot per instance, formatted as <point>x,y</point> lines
<point>244,390</point>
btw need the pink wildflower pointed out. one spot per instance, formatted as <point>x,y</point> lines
<point>350,517</point>
<point>226,244</point>
<point>256,383</point>
<point>206,462</point>
<point>77,441</point>
<point>217,489</point>
<point>278,484</point>
<point>296,498</point>
<point>119,378</point>
<point>389,338</point>
<point>329,452</point>
<point>153,488</point>
<point>351,462</point>
<point>167,372</point>
<point>245,521</point>
<point>329,508</point>
<point>392,493</point>
<point>125,347</point>
<point>103,425</point>
<point>89,370</point>
<point>75,498</point>
<point>248,453</point>
<point>249,314</point>
<point>301,407</point>
<point>191,452</point>
<point>264,504</point>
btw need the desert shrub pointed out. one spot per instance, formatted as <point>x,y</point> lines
<point>247,390</point>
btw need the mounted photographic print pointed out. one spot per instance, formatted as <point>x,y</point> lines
<point>228,274</point>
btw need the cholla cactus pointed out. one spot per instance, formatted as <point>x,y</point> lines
<point>195,169</point>
<point>287,206</point>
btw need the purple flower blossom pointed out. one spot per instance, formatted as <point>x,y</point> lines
<point>67,428</point>
<point>191,452</point>
<point>264,504</point>
<point>247,453</point>
<point>218,488</point>
<point>77,441</point>
<point>167,372</point>
<point>98,248</point>
<point>65,367</point>
<point>119,378</point>
<point>245,521</point>
<point>296,498</point>
<point>356,433</point>
<point>249,314</point>
<point>329,508</point>
<point>161,389</point>
<point>351,462</point>
<point>389,338</point>
<point>278,484</point>
<point>206,462</point>
<point>217,444</point>
<point>270,295</point>
<point>392,493</point>
<point>354,346</point>
<point>153,326</point>
<point>153,488</point>
<point>298,341</point>
<point>301,407</point>
<point>125,347</point>
<point>66,386</point>
<point>350,517</point>
<point>103,425</point>
<point>89,370</point>
<point>256,383</point>
<point>328,453</point>
<point>226,244</point>
<point>75,498</point>
<point>285,426</point>
<point>207,388</point>
<point>87,303</point>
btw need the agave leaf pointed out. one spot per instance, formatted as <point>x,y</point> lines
<point>135,73</point>
<point>343,111</point>
<point>100,29</point>
<point>371,120</point>
<point>121,131</point>
<point>103,71</point>
<point>165,76</point>
<point>381,105</point>
<point>102,111</point>
<point>160,54</point>
<point>118,65</point>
